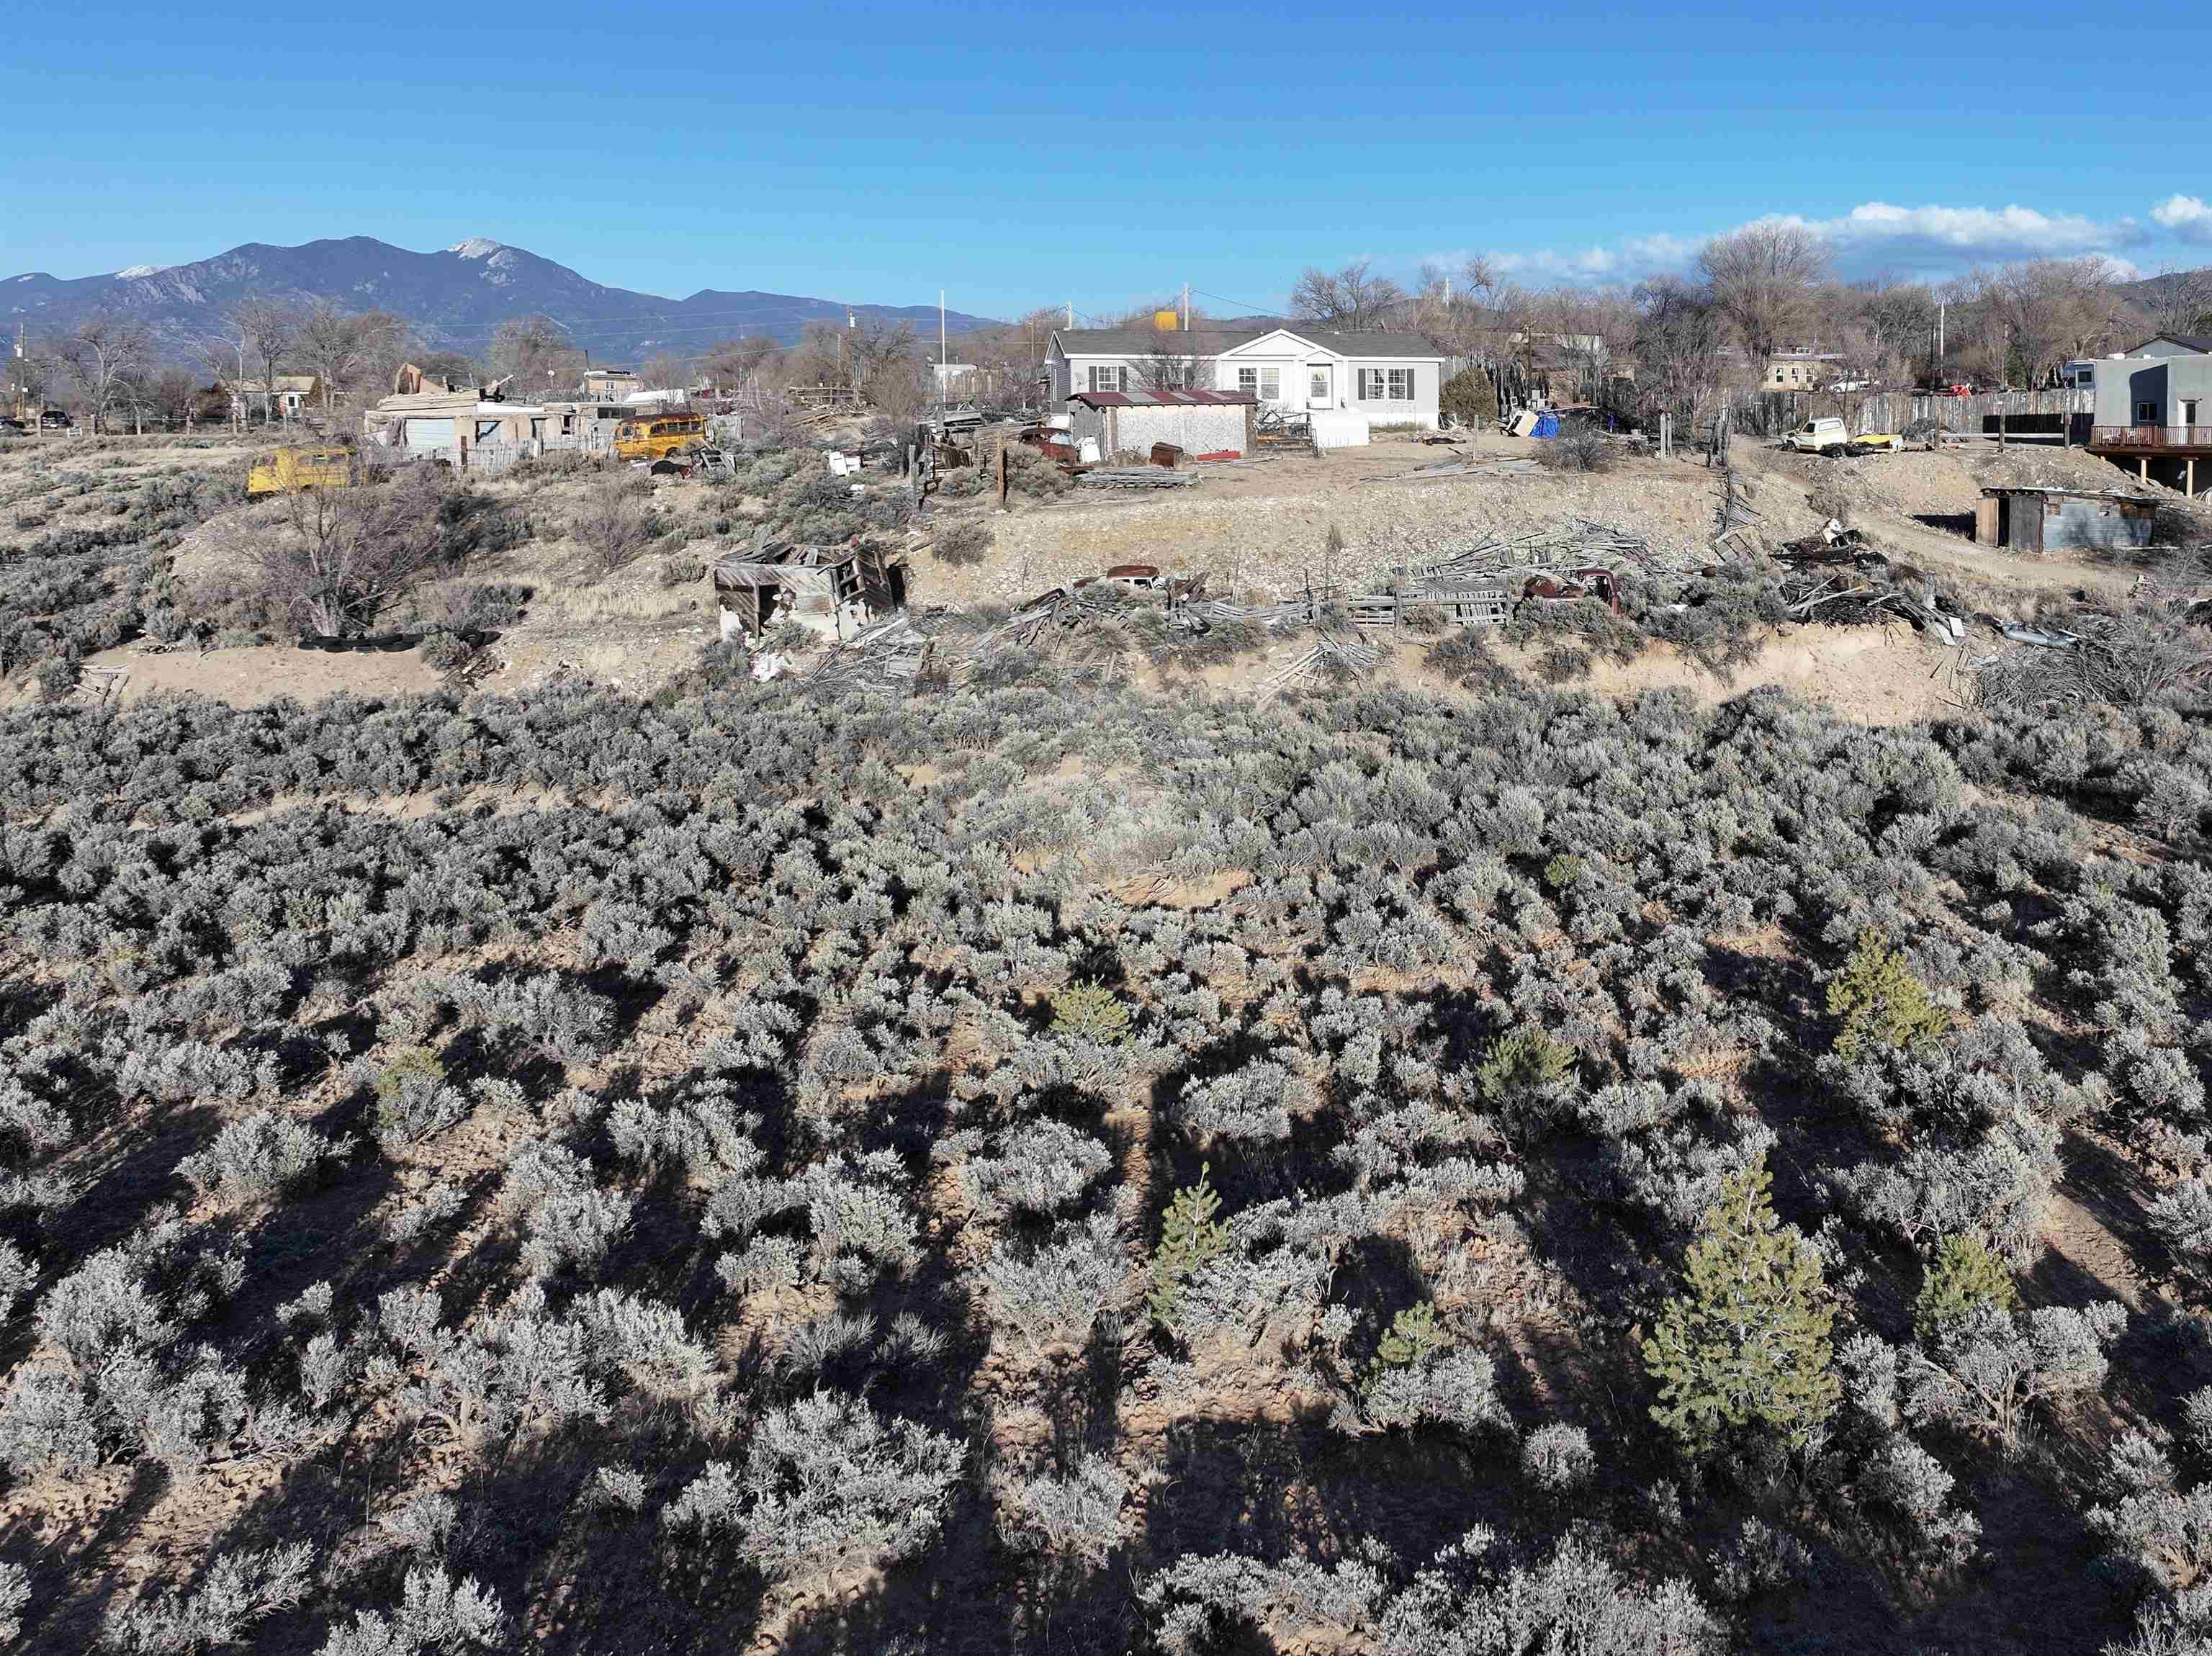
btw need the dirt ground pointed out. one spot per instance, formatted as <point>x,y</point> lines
<point>1259,527</point>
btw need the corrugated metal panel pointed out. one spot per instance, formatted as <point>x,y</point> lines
<point>425,434</point>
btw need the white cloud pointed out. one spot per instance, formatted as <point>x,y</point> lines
<point>2186,216</point>
<point>1878,236</point>
<point>1592,264</point>
<point>1876,231</point>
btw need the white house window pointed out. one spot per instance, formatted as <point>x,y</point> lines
<point>1108,379</point>
<point>1401,384</point>
<point>1370,384</point>
<point>2146,413</point>
<point>1266,383</point>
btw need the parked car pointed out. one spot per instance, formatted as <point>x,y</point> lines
<point>56,420</point>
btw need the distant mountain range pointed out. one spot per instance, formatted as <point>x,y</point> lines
<point>455,297</point>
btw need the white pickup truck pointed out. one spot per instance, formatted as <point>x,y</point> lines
<point>1819,437</point>
<point>1833,437</point>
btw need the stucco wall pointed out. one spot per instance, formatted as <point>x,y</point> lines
<point>2127,383</point>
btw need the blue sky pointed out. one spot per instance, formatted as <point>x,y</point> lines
<point>1024,155</point>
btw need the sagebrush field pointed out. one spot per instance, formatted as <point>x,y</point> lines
<point>1056,1168</point>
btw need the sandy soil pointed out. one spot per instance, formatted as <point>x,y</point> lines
<point>1260,528</point>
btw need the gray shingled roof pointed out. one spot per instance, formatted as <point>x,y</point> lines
<point>1204,342</point>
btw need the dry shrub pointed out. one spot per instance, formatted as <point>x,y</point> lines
<point>962,544</point>
<point>1580,446</point>
<point>616,522</point>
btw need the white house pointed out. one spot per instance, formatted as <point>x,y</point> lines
<point>1391,378</point>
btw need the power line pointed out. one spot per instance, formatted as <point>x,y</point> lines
<point>1243,304</point>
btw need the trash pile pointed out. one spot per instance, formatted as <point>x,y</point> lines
<point>1835,577</point>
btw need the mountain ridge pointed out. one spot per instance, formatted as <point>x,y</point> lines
<point>455,297</point>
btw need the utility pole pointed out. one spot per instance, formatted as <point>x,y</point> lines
<point>1071,312</point>
<point>1186,307</point>
<point>943,361</point>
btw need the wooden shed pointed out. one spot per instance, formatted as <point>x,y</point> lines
<point>2030,519</point>
<point>834,590</point>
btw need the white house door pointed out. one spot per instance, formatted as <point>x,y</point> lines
<point>1321,380</point>
<point>2188,415</point>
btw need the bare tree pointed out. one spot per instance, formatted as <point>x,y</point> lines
<point>820,357</point>
<point>340,557</point>
<point>340,346</point>
<point>1585,326</point>
<point>535,352</point>
<point>2051,310</point>
<point>1009,359</point>
<point>1899,318</point>
<point>1680,331</point>
<point>270,330</point>
<point>665,370</point>
<point>1170,365</point>
<point>1352,297</point>
<point>1762,277</point>
<point>174,393</point>
<point>102,356</point>
<point>734,362</point>
<point>2178,301</point>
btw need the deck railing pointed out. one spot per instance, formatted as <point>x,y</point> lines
<point>2151,438</point>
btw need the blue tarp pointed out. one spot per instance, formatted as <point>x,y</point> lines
<point>1547,425</point>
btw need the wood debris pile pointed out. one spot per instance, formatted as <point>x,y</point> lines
<point>1135,477</point>
<point>1834,576</point>
<point>1334,657</point>
<point>2160,644</point>
<point>888,656</point>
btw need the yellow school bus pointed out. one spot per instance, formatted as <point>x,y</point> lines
<point>651,436</point>
<point>289,469</point>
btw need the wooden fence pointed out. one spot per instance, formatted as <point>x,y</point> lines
<point>2052,412</point>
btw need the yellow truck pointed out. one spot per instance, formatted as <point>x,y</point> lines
<point>656,436</point>
<point>291,469</point>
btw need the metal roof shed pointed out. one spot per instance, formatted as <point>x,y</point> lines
<point>2036,520</point>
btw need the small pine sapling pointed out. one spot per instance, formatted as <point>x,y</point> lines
<point>1190,1238</point>
<point>1880,1001</point>
<point>1091,1012</point>
<point>1747,1344</point>
<point>1964,1276</point>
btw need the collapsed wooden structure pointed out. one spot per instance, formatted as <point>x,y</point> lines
<point>838,591</point>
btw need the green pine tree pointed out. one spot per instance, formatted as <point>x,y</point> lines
<point>1881,1000</point>
<point>1746,1346</point>
<point>1966,1276</point>
<point>1190,1236</point>
<point>1521,1064</point>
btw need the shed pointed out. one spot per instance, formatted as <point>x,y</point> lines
<point>2031,519</point>
<point>835,591</point>
<point>1200,422</point>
